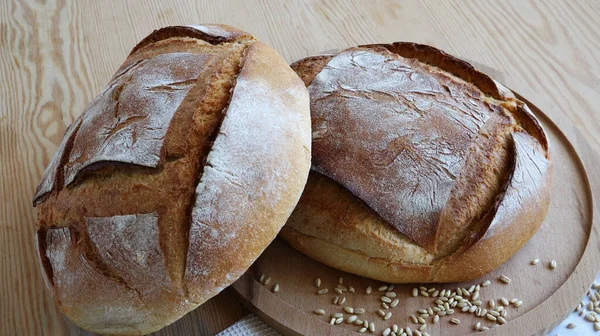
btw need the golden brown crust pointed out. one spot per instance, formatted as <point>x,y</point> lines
<point>494,162</point>
<point>166,152</point>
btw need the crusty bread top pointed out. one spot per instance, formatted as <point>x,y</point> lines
<point>199,144</point>
<point>421,137</point>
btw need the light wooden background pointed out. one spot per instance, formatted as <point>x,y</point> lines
<point>55,55</point>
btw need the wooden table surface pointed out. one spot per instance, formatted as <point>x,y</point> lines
<point>56,55</point>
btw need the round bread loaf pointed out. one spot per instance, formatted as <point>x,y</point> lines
<point>424,169</point>
<point>174,179</point>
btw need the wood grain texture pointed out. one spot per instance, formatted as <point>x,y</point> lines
<point>55,55</point>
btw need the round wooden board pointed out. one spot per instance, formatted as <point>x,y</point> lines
<point>568,235</point>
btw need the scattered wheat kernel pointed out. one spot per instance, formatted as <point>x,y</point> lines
<point>341,280</point>
<point>369,290</point>
<point>472,288</point>
<point>339,291</point>
<point>415,292</point>
<point>505,279</point>
<point>446,306</point>
<point>597,310</point>
<point>423,288</point>
<point>351,318</point>
<point>494,313</point>
<point>414,320</point>
<point>408,331</point>
<point>504,301</point>
<point>261,279</point>
<point>422,327</point>
<point>342,288</point>
<point>500,308</point>
<point>390,294</point>
<point>518,304</point>
<point>349,310</point>
<point>475,296</point>
<point>513,300</point>
<point>380,312</point>
<point>275,288</point>
<point>395,328</point>
<point>472,309</point>
<point>590,318</point>
<point>386,299</point>
<point>492,303</point>
<point>535,261</point>
<point>339,320</point>
<point>351,289</point>
<point>358,322</point>
<point>477,302</point>
<point>449,311</point>
<point>416,332</point>
<point>571,326</point>
<point>553,264</point>
<point>441,313</point>
<point>431,290</point>
<point>332,321</point>
<point>366,323</point>
<point>322,291</point>
<point>581,313</point>
<point>455,321</point>
<point>385,305</point>
<point>386,332</point>
<point>435,294</point>
<point>319,311</point>
<point>359,310</point>
<point>436,309</point>
<point>337,315</point>
<point>596,326</point>
<point>491,317</point>
<point>484,328</point>
<point>436,318</point>
<point>424,293</point>
<point>336,300</point>
<point>387,316</point>
<point>443,292</point>
<point>477,326</point>
<point>372,327</point>
<point>394,334</point>
<point>486,283</point>
<point>424,315</point>
<point>362,330</point>
<point>429,311</point>
<point>501,319</point>
<point>394,303</point>
<point>342,301</point>
<point>382,288</point>
<point>422,311</point>
<point>391,288</point>
<point>590,306</point>
<point>504,313</point>
<point>421,320</point>
<point>267,281</point>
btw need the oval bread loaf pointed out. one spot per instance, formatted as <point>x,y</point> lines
<point>173,180</point>
<point>424,169</point>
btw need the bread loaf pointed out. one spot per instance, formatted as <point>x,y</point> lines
<point>173,180</point>
<point>424,169</point>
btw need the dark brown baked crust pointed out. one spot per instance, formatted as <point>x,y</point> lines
<point>200,142</point>
<point>428,146</point>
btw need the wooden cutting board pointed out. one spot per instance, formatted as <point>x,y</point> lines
<point>568,235</point>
